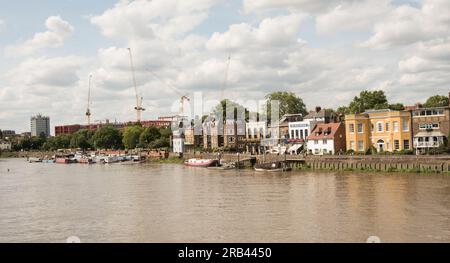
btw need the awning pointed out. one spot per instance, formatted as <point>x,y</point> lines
<point>295,147</point>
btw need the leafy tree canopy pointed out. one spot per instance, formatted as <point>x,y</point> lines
<point>148,136</point>
<point>369,100</point>
<point>131,136</point>
<point>289,103</point>
<point>107,138</point>
<point>436,101</point>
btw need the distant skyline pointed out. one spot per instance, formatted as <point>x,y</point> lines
<point>326,51</point>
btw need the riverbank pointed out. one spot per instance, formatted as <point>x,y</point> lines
<point>357,163</point>
<point>367,163</point>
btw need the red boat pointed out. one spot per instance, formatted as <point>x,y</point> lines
<point>62,160</point>
<point>85,160</point>
<point>200,162</point>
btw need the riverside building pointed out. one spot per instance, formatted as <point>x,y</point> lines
<point>385,130</point>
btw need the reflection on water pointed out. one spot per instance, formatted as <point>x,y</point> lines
<point>172,203</point>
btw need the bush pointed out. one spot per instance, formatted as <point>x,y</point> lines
<point>350,152</point>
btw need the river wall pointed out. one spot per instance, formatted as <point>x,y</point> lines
<point>386,163</point>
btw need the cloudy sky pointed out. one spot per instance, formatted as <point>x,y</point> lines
<point>326,51</point>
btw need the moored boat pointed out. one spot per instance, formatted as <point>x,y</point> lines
<point>62,160</point>
<point>34,160</point>
<point>271,167</point>
<point>85,160</point>
<point>200,162</point>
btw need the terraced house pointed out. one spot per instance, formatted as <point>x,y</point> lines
<point>385,130</point>
<point>431,126</point>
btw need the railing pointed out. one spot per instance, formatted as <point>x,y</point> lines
<point>426,144</point>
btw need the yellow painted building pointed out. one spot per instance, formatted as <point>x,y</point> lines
<point>386,130</point>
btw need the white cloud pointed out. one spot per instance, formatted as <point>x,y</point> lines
<point>149,19</point>
<point>57,32</point>
<point>43,74</point>
<point>407,25</point>
<point>358,15</point>
<point>2,25</point>
<point>272,32</point>
<point>305,6</point>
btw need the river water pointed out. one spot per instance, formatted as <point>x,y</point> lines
<point>173,203</point>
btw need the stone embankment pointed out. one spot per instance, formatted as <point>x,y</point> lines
<point>383,163</point>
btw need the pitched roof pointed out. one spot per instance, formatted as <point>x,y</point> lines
<point>324,131</point>
<point>319,114</point>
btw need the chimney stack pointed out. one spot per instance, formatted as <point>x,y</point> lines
<point>318,108</point>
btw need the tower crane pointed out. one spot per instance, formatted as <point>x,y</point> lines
<point>88,110</point>
<point>138,107</point>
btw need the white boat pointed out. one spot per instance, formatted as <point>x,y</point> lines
<point>34,160</point>
<point>110,159</point>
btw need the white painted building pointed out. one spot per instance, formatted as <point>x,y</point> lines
<point>5,146</point>
<point>299,129</point>
<point>178,141</point>
<point>256,129</point>
<point>327,138</point>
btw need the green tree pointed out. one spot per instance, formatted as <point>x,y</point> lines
<point>436,101</point>
<point>107,138</point>
<point>82,139</point>
<point>131,135</point>
<point>160,143</point>
<point>165,132</point>
<point>289,103</point>
<point>148,136</point>
<point>62,141</point>
<point>396,106</point>
<point>1,134</point>
<point>368,100</point>
<point>230,108</point>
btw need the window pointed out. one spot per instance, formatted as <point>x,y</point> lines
<point>379,126</point>
<point>296,134</point>
<point>352,145</point>
<point>405,125</point>
<point>301,134</point>
<point>292,134</point>
<point>395,126</point>
<point>316,141</point>
<point>325,151</point>
<point>360,127</point>
<point>351,128</point>
<point>306,133</point>
<point>396,145</point>
<point>324,142</point>
<point>436,112</point>
<point>316,151</point>
<point>360,146</point>
<point>429,126</point>
<point>388,126</point>
<point>406,144</point>
<point>249,133</point>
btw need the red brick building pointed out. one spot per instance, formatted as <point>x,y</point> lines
<point>70,129</point>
